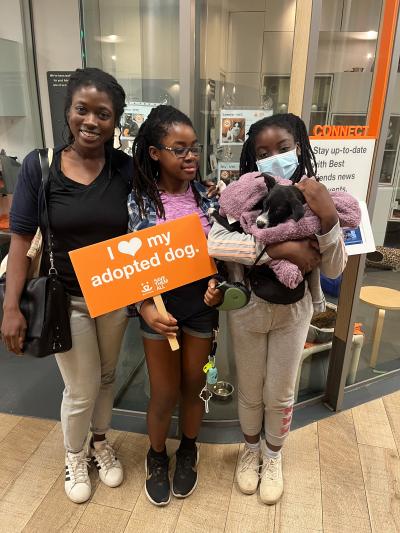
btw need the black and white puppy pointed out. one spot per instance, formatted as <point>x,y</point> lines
<point>281,203</point>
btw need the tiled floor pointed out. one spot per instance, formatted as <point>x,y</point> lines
<point>341,474</point>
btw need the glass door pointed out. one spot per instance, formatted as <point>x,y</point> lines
<point>245,61</point>
<point>345,63</point>
<point>137,42</point>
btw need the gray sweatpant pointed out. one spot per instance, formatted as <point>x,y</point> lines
<point>88,371</point>
<point>268,340</point>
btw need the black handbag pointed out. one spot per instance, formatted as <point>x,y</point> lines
<point>44,301</point>
<point>265,285</point>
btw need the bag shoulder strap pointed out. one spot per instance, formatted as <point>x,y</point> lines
<point>257,260</point>
<point>45,158</point>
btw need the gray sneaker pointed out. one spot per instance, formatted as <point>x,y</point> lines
<point>271,486</point>
<point>247,473</point>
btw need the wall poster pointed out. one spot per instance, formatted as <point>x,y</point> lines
<point>235,124</point>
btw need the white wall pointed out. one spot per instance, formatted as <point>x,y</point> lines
<point>18,134</point>
<point>160,39</point>
<point>145,56</point>
<point>351,92</point>
<point>337,53</point>
<point>350,15</point>
<point>260,42</point>
<point>122,19</point>
<point>215,39</point>
<point>10,21</point>
<point>56,24</point>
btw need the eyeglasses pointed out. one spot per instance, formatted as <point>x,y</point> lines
<point>182,151</point>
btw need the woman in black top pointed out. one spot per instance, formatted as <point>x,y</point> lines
<point>89,185</point>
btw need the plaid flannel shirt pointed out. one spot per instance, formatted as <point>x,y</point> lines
<point>137,222</point>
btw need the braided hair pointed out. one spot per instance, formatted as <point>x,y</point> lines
<point>102,81</point>
<point>293,125</point>
<point>145,169</point>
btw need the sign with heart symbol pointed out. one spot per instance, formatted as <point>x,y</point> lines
<point>130,268</point>
<point>130,247</point>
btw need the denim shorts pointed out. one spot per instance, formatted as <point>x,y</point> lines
<point>186,304</point>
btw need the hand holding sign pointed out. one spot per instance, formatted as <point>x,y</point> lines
<point>156,316</point>
<point>130,268</point>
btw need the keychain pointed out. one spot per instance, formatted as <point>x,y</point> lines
<point>206,396</point>
<point>211,372</point>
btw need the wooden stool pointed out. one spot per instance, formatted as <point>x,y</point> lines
<point>382,299</point>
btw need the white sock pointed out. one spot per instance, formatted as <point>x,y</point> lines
<point>253,447</point>
<point>270,453</point>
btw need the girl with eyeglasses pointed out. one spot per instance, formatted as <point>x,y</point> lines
<point>166,187</point>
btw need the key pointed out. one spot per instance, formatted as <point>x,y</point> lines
<point>206,396</point>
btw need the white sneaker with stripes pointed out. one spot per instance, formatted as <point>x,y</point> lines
<point>77,483</point>
<point>108,466</point>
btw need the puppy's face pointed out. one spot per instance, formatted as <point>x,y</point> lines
<point>281,203</point>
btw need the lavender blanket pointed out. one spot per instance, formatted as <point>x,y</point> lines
<point>240,197</point>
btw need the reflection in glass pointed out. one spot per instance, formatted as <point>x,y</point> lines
<point>346,53</point>
<point>346,57</point>
<point>137,42</point>
<point>245,64</point>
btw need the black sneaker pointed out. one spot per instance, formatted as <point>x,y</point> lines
<point>185,477</point>
<point>157,485</point>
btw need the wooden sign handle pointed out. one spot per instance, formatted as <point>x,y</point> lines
<point>159,303</point>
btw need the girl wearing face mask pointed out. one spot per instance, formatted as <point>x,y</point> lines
<point>268,338</point>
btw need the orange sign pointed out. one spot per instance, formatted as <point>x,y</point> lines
<point>140,265</point>
<point>327,130</point>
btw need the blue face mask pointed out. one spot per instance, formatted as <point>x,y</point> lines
<point>282,165</point>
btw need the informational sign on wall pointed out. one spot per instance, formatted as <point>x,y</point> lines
<point>344,164</point>
<point>235,124</point>
<point>135,113</point>
<point>360,240</point>
<point>228,171</point>
<point>57,84</point>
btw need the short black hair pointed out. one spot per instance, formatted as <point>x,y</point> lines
<point>146,169</point>
<point>296,127</point>
<point>104,82</point>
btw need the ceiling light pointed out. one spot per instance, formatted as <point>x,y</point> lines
<point>372,34</point>
<point>114,58</point>
<point>112,38</point>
